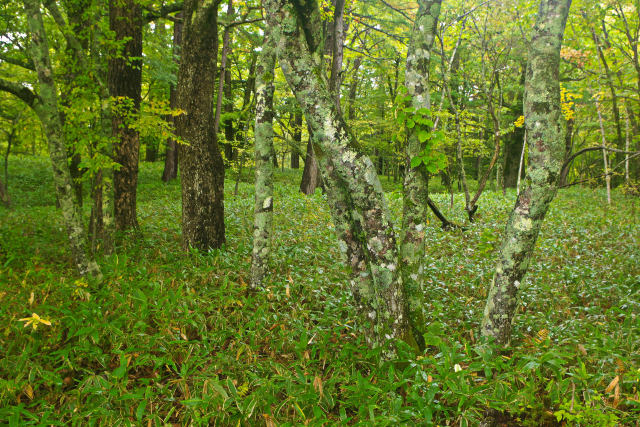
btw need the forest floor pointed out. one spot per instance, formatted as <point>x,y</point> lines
<point>175,337</point>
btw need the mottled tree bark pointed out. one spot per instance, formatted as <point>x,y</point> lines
<point>358,205</point>
<point>46,107</point>
<point>171,158</point>
<point>125,85</point>
<point>224,84</point>
<point>415,189</point>
<point>201,165</point>
<point>263,210</point>
<point>545,133</point>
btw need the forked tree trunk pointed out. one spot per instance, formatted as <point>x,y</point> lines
<point>359,209</point>
<point>201,165</point>
<point>125,85</point>
<point>46,107</point>
<point>545,133</point>
<point>263,209</point>
<point>415,188</point>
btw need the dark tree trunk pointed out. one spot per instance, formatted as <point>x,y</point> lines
<point>224,87</point>
<point>310,174</point>
<point>171,159</point>
<point>151,152</point>
<point>513,143</point>
<point>4,195</point>
<point>125,84</point>
<point>297,140</point>
<point>201,165</point>
<point>229,129</point>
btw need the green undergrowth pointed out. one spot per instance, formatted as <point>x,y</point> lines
<point>171,337</point>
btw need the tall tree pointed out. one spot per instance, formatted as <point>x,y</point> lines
<point>263,210</point>
<point>415,189</point>
<point>45,104</point>
<point>171,160</point>
<point>125,86</point>
<point>545,137</point>
<point>201,165</point>
<point>359,209</point>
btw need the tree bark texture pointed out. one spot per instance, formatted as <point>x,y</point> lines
<point>125,85</point>
<point>311,178</point>
<point>415,188</point>
<point>545,134</point>
<point>171,159</point>
<point>201,165</point>
<point>263,210</point>
<point>297,140</point>
<point>359,209</point>
<point>46,107</point>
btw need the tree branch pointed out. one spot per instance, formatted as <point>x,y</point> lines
<point>20,91</point>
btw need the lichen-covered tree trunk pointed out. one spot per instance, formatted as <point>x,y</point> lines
<point>46,107</point>
<point>125,86</point>
<point>415,189</point>
<point>545,134</point>
<point>263,210</point>
<point>353,187</point>
<point>171,160</point>
<point>201,166</point>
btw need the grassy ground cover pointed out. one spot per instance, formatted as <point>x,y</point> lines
<point>174,337</point>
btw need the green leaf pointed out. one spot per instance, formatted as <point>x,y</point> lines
<point>410,123</point>
<point>423,135</point>
<point>416,161</point>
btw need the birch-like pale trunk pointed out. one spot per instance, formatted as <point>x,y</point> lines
<point>524,146</point>
<point>360,213</point>
<point>46,107</point>
<point>545,133</point>
<point>415,188</point>
<point>263,131</point>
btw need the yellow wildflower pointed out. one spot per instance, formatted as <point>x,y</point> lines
<point>34,321</point>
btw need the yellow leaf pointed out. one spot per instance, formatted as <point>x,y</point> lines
<point>29,391</point>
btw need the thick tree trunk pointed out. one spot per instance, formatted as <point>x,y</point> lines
<point>171,159</point>
<point>360,213</point>
<point>125,85</point>
<point>201,165</point>
<point>545,134</point>
<point>46,107</point>
<point>415,188</point>
<point>263,209</point>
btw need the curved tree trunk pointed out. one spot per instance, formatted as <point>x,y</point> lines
<point>46,107</point>
<point>545,133</point>
<point>201,165</point>
<point>358,205</point>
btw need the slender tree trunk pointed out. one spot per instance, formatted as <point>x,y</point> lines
<point>524,146</point>
<point>626,148</point>
<point>201,165</point>
<point>263,210</point>
<point>125,85</point>
<point>297,140</point>
<point>4,195</point>
<point>171,159</point>
<point>415,188</point>
<point>545,133</point>
<point>513,144</point>
<point>607,176</point>
<point>46,107</point>
<point>360,213</point>
<point>224,81</point>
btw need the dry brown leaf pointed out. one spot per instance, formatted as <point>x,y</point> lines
<point>612,384</point>
<point>582,349</point>
<point>317,384</point>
